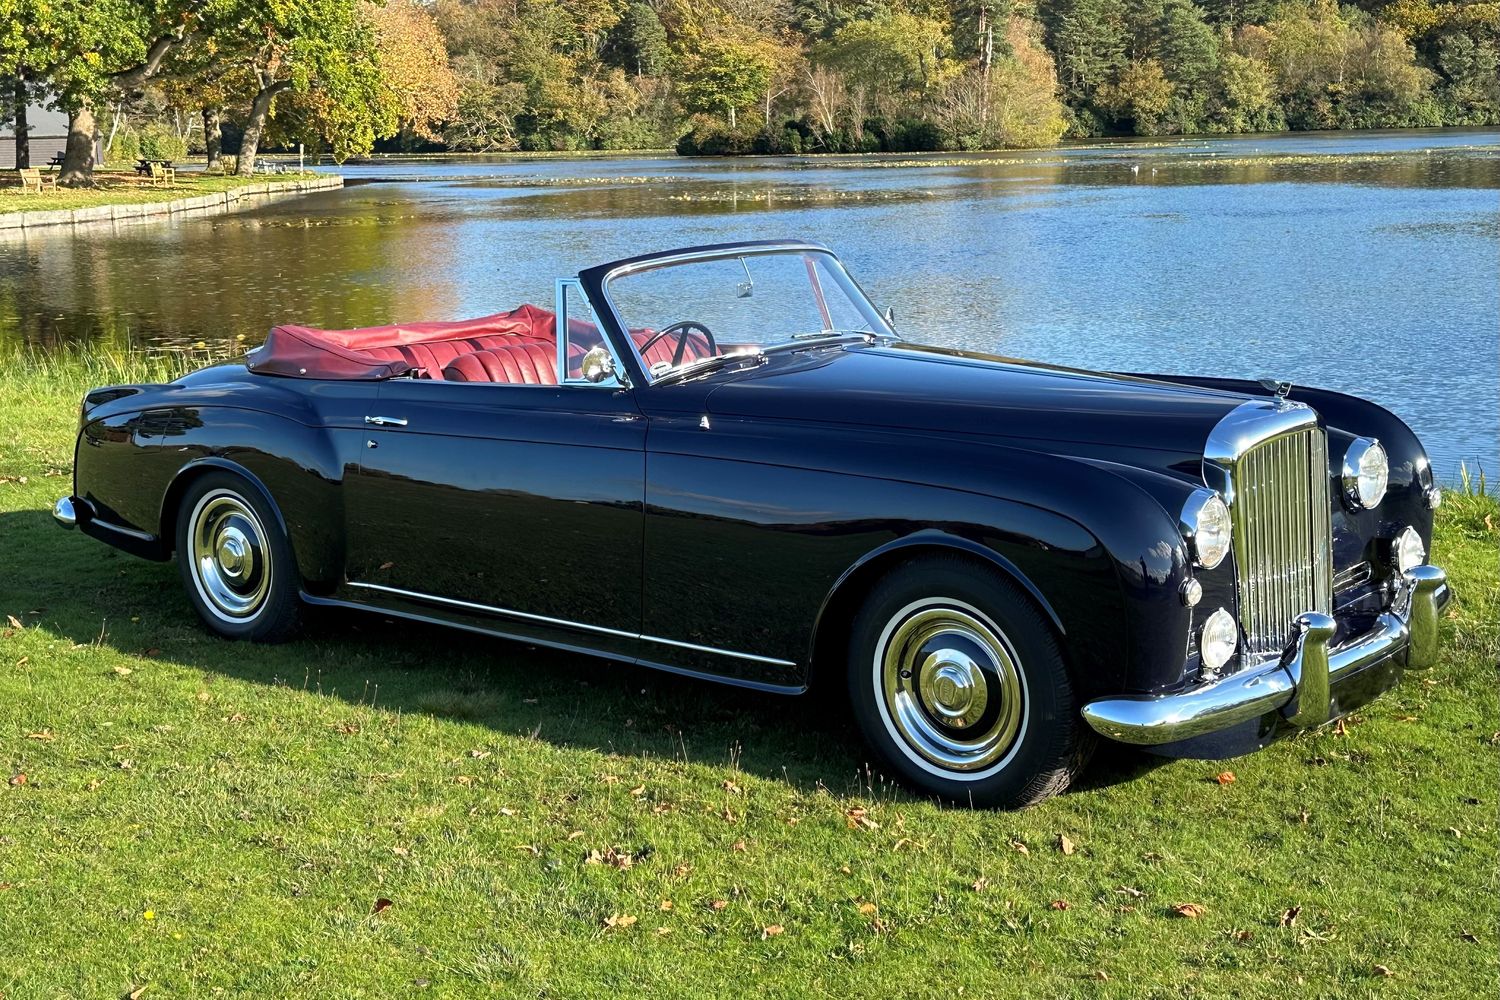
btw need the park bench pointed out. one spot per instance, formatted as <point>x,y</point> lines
<point>162,173</point>
<point>33,179</point>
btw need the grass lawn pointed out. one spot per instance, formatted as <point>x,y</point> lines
<point>124,188</point>
<point>387,810</point>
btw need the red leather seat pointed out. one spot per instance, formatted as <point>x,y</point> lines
<point>526,363</point>
<point>434,357</point>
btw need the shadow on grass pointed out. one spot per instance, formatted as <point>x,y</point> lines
<point>87,592</point>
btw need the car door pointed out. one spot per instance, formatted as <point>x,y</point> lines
<point>520,505</point>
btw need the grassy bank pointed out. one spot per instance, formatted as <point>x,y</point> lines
<point>125,188</point>
<point>386,810</point>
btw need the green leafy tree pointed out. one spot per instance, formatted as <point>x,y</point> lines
<point>324,52</point>
<point>726,76</point>
<point>86,53</point>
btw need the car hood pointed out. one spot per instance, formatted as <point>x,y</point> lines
<point>910,387</point>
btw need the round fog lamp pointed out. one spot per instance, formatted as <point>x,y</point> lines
<point>1408,550</point>
<point>1217,641</point>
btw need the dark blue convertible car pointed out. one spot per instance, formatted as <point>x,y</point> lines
<point>725,462</point>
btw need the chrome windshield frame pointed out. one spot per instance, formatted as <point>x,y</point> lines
<point>625,345</point>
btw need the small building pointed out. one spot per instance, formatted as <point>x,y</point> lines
<point>49,135</point>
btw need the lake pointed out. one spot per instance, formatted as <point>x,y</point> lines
<point>1364,262</point>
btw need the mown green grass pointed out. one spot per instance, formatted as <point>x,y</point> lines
<point>206,818</point>
<point>125,189</point>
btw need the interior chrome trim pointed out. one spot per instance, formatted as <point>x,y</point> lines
<point>583,626</point>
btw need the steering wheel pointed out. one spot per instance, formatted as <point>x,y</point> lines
<point>681,329</point>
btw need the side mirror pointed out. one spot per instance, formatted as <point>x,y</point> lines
<point>890,316</point>
<point>597,365</point>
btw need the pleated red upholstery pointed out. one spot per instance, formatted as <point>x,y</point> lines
<point>519,364</point>
<point>389,351</point>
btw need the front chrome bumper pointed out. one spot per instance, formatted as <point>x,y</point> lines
<point>1298,684</point>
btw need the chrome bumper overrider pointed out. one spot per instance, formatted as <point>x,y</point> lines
<point>1298,684</point>
<point>64,513</point>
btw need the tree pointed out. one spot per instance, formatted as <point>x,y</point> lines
<point>643,44</point>
<point>413,62</point>
<point>725,76</point>
<point>89,52</point>
<point>1143,96</point>
<point>322,49</point>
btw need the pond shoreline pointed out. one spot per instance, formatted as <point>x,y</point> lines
<point>222,201</point>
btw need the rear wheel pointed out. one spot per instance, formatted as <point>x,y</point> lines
<point>958,684</point>
<point>235,560</point>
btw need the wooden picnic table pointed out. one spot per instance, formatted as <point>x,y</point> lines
<point>144,166</point>
<point>57,159</point>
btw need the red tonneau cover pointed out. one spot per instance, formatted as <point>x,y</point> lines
<point>374,352</point>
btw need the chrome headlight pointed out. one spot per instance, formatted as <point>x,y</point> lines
<point>1407,550</point>
<point>1367,472</point>
<point>1205,526</point>
<point>1217,641</point>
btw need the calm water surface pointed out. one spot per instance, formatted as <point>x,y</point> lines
<point>1368,263</point>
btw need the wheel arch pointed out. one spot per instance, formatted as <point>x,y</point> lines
<point>171,501</point>
<point>849,591</point>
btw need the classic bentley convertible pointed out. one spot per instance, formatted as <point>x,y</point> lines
<point>724,462</point>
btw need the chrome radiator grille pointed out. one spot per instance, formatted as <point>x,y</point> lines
<point>1282,535</point>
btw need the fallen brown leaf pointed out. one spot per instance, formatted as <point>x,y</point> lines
<point>13,621</point>
<point>387,565</point>
<point>17,779</point>
<point>46,736</point>
<point>619,921</point>
<point>1191,911</point>
<point>718,904</point>
<point>1243,936</point>
<point>738,845</point>
<point>575,835</point>
<point>1019,847</point>
<point>381,905</point>
<point>867,908</point>
<point>770,931</point>
<point>1131,892</point>
<point>1225,777</point>
<point>1060,904</point>
<point>980,884</point>
<point>1470,937</point>
<point>666,904</point>
<point>133,994</point>
<point>1289,918</point>
<point>1381,970</point>
<point>23,661</point>
<point>1064,844</point>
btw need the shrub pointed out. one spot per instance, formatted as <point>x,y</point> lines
<point>161,142</point>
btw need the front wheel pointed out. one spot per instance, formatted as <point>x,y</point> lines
<point>958,684</point>
<point>235,560</point>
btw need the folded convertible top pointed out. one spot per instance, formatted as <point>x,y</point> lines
<point>375,352</point>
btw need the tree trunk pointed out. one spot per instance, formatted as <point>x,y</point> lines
<point>23,130</point>
<point>78,158</point>
<point>255,126</point>
<point>212,137</point>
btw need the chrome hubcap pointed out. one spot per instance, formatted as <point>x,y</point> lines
<point>231,562</point>
<point>952,686</point>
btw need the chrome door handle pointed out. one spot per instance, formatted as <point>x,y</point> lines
<point>386,421</point>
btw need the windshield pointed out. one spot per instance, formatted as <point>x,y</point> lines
<point>686,314</point>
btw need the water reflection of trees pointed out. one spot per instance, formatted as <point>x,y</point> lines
<point>215,278</point>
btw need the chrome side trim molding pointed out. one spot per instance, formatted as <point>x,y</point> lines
<point>1297,683</point>
<point>565,623</point>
